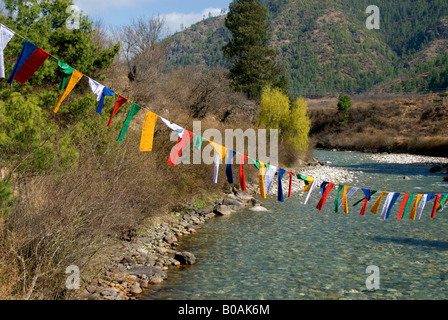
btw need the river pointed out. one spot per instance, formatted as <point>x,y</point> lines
<point>295,252</point>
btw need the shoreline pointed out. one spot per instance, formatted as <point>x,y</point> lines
<point>147,258</point>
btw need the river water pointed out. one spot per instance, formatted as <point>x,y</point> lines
<point>295,252</point>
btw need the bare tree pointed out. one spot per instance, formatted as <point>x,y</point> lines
<point>143,48</point>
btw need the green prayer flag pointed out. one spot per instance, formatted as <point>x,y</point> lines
<point>256,164</point>
<point>67,71</point>
<point>134,110</point>
<point>336,201</point>
<point>197,142</point>
<point>408,204</point>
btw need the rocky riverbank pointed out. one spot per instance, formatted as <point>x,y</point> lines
<point>145,260</point>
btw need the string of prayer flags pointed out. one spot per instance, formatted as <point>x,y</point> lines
<point>349,194</point>
<point>243,159</point>
<point>135,108</point>
<point>74,79</point>
<point>120,101</point>
<point>100,91</point>
<point>280,197</point>
<point>6,35</point>
<point>67,72</point>
<point>179,147</point>
<point>30,59</point>
<point>148,131</point>
<point>229,172</point>
<point>325,188</point>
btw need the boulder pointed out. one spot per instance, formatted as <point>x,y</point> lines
<point>254,202</point>
<point>258,209</point>
<point>232,202</point>
<point>185,258</point>
<point>243,195</point>
<point>223,210</point>
<point>136,289</point>
<point>436,169</point>
<point>148,271</point>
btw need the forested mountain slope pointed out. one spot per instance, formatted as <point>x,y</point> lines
<point>327,48</point>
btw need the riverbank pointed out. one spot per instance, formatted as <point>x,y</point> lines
<point>146,259</point>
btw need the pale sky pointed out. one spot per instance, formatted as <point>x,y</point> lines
<point>115,13</point>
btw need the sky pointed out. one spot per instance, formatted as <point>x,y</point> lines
<point>115,13</point>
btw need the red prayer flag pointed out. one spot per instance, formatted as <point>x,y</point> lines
<point>120,101</point>
<point>179,147</point>
<point>242,176</point>
<point>31,65</point>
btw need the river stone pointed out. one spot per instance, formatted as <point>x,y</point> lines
<point>148,271</point>
<point>110,293</point>
<point>136,289</point>
<point>435,169</point>
<point>185,258</point>
<point>232,202</point>
<point>254,202</point>
<point>243,195</point>
<point>223,210</point>
<point>258,209</point>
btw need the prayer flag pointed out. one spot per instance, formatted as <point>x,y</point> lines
<point>269,177</point>
<point>74,79</point>
<point>148,132</point>
<point>6,35</point>
<point>179,147</point>
<point>281,173</point>
<point>243,159</point>
<point>67,72</point>
<point>377,203</point>
<point>415,206</point>
<point>229,172</point>
<point>325,188</point>
<point>120,101</point>
<point>135,108</point>
<point>30,59</point>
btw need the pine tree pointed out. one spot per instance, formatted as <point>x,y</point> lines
<point>253,61</point>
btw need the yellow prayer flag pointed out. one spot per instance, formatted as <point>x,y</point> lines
<point>376,205</point>
<point>74,79</point>
<point>220,149</point>
<point>344,199</point>
<point>148,132</point>
<point>308,186</point>
<point>414,207</point>
<point>261,180</point>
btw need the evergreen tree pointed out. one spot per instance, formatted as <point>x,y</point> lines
<point>253,65</point>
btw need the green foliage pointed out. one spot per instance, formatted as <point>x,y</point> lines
<point>43,23</point>
<point>326,48</point>
<point>344,103</point>
<point>291,119</point>
<point>253,66</point>
<point>274,108</point>
<point>6,196</point>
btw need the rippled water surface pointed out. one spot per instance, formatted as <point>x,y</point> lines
<point>295,252</point>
